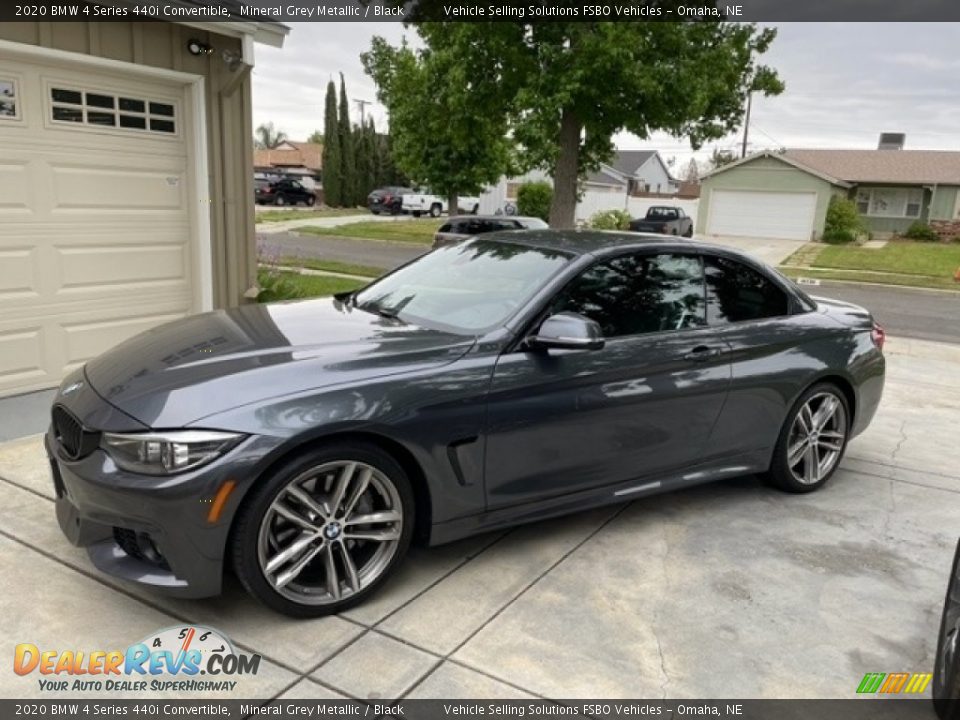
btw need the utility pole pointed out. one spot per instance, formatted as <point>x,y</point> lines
<point>746,124</point>
<point>363,105</point>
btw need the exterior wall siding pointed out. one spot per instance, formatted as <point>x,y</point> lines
<point>228,103</point>
<point>770,175</point>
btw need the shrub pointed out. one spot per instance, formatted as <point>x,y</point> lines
<point>534,199</point>
<point>610,220</point>
<point>838,237</point>
<point>843,218</point>
<point>922,232</point>
<point>275,286</point>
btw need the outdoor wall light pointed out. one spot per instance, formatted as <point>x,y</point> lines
<point>195,47</point>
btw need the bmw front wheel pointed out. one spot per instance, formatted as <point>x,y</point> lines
<point>325,530</point>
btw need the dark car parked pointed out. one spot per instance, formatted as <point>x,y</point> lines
<point>387,199</point>
<point>508,378</point>
<point>460,227</point>
<point>666,220</point>
<point>946,671</point>
<point>286,191</point>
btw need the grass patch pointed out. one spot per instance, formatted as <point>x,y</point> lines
<point>268,216</point>
<point>885,278</point>
<point>420,232</point>
<point>897,256</point>
<point>285,285</point>
<point>332,266</point>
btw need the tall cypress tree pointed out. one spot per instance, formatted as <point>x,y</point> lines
<point>362,162</point>
<point>347,169</point>
<point>332,186</point>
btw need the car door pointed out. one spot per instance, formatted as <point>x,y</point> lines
<point>562,421</point>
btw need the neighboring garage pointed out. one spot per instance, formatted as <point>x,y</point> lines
<point>125,185</point>
<point>784,195</point>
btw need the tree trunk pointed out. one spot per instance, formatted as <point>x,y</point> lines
<point>566,175</point>
<point>453,202</point>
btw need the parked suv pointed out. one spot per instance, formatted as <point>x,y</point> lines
<point>286,191</point>
<point>461,227</point>
<point>387,199</point>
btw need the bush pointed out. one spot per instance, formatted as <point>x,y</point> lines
<point>922,232</point>
<point>534,199</point>
<point>838,237</point>
<point>611,220</point>
<point>842,220</point>
<point>275,286</point>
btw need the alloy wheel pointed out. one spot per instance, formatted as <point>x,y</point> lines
<point>817,438</point>
<point>330,532</point>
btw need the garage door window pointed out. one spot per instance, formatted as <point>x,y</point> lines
<point>68,105</point>
<point>8,99</point>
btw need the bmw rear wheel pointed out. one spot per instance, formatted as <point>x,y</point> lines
<point>324,531</point>
<point>812,441</point>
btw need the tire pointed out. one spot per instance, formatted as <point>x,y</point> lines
<point>688,233</point>
<point>263,532</point>
<point>946,678</point>
<point>280,200</point>
<point>375,212</point>
<point>435,210</point>
<point>476,209</point>
<point>311,200</point>
<point>828,448</point>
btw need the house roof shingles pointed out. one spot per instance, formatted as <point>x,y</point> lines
<point>906,167</point>
<point>308,155</point>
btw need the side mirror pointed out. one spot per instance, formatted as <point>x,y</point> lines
<point>568,331</point>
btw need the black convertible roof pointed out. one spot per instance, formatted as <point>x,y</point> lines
<point>583,242</point>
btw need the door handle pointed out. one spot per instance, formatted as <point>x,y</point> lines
<point>701,353</point>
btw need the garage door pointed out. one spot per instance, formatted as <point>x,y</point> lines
<point>95,215</point>
<point>742,213</point>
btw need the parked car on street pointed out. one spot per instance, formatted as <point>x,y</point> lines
<point>460,227</point>
<point>946,671</point>
<point>508,378</point>
<point>387,200</point>
<point>425,203</point>
<point>285,191</point>
<point>663,219</point>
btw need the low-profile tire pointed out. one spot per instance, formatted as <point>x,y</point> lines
<point>435,210</point>
<point>812,441</point>
<point>301,521</point>
<point>311,200</point>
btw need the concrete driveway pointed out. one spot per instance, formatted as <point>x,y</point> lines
<point>772,251</point>
<point>722,591</point>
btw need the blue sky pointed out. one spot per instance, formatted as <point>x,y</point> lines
<point>846,83</point>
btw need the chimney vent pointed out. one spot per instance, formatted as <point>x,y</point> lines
<point>892,141</point>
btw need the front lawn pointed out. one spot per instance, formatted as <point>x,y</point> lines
<point>899,262</point>
<point>284,285</point>
<point>332,266</point>
<point>420,232</point>
<point>268,216</point>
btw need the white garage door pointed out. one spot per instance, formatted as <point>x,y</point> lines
<point>96,223</point>
<point>743,213</point>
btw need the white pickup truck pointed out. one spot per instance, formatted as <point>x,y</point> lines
<point>425,203</point>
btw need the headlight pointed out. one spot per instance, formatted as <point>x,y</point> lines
<point>166,453</point>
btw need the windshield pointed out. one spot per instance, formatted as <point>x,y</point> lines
<point>467,288</point>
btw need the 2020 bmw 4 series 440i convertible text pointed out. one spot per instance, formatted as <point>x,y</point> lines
<point>505,379</point>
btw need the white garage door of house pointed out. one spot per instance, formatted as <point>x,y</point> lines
<point>96,219</point>
<point>743,213</point>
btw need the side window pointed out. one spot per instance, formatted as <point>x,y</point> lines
<point>736,292</point>
<point>446,227</point>
<point>638,294</point>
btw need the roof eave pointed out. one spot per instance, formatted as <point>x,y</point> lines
<point>784,159</point>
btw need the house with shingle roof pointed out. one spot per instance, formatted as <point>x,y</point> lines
<point>785,194</point>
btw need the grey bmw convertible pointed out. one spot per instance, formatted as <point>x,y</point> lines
<point>506,379</point>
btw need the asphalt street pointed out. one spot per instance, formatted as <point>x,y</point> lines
<point>903,312</point>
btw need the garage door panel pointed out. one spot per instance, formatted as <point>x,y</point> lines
<point>18,273</point>
<point>747,213</point>
<point>132,266</point>
<point>15,186</point>
<point>21,356</point>
<point>116,189</point>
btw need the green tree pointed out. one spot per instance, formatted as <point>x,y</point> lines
<point>447,127</point>
<point>567,88</point>
<point>332,187</point>
<point>534,199</point>
<point>348,179</point>
<point>365,151</point>
<point>315,137</point>
<point>267,137</point>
